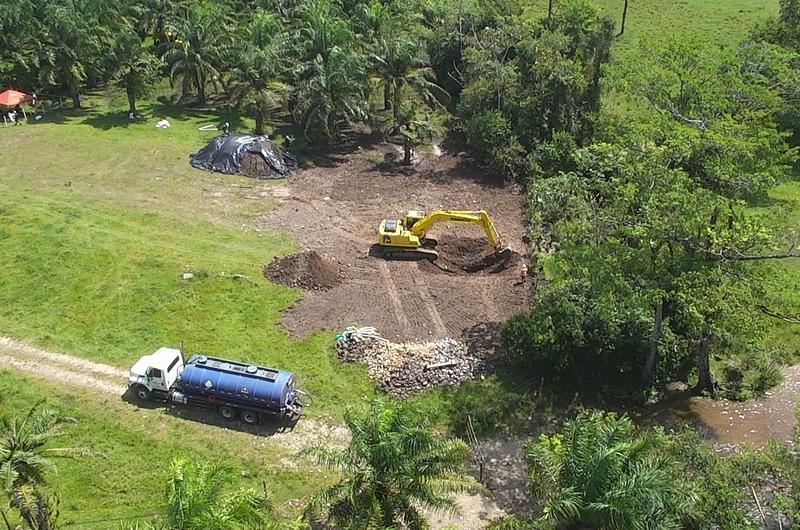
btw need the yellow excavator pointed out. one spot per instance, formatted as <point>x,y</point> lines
<point>406,239</point>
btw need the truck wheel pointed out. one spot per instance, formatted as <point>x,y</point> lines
<point>142,393</point>
<point>226,412</point>
<point>249,417</point>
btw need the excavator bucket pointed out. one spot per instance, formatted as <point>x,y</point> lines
<point>494,262</point>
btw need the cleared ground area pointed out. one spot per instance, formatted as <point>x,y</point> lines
<point>334,209</point>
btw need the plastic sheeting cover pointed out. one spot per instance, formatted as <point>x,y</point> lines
<point>226,153</point>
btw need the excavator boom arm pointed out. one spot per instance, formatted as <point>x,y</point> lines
<point>481,217</point>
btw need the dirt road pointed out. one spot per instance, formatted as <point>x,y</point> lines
<point>109,380</point>
<point>334,208</point>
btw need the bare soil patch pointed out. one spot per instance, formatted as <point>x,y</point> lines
<point>306,269</point>
<point>334,209</point>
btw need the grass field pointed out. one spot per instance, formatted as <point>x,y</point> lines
<point>129,454</point>
<point>99,218</point>
<point>98,226</point>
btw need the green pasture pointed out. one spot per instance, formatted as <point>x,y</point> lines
<point>125,454</point>
<point>98,222</point>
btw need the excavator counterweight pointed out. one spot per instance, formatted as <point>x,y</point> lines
<point>406,238</point>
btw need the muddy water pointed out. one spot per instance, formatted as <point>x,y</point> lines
<point>730,423</point>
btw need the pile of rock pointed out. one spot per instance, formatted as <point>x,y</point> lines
<point>408,368</point>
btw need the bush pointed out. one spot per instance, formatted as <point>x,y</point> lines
<point>492,142</point>
<point>582,342</point>
<point>490,403</point>
<point>719,482</point>
<point>750,375</point>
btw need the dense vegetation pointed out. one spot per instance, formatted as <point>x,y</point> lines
<point>599,472</point>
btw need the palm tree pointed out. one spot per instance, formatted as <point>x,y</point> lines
<point>401,65</point>
<point>256,86</point>
<point>197,500</point>
<point>155,16</point>
<point>375,22</point>
<point>71,44</point>
<point>331,79</point>
<point>201,39</point>
<point>256,82</point>
<point>24,459</point>
<point>134,66</point>
<point>394,465</point>
<point>412,125</point>
<point>599,474</point>
<point>38,510</point>
<point>331,92</point>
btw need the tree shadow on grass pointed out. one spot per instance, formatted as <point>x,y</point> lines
<point>110,120</point>
<point>170,110</point>
<point>59,116</point>
<point>164,108</point>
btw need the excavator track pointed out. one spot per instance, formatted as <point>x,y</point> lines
<point>406,254</point>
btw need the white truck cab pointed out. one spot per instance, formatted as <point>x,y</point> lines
<point>155,374</point>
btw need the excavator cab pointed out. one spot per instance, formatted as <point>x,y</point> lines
<point>412,217</point>
<point>393,233</point>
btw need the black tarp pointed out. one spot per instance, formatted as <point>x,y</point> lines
<point>233,154</point>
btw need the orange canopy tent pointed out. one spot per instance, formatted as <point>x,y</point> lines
<point>12,98</point>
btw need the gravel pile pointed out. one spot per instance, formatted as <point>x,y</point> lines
<point>408,368</point>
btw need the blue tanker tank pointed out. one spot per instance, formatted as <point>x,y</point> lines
<point>233,386</point>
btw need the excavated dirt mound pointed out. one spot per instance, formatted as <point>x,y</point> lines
<point>255,166</point>
<point>307,269</point>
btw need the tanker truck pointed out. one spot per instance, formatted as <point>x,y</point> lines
<point>231,388</point>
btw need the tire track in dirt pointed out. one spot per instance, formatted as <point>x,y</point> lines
<point>492,314</point>
<point>430,306</point>
<point>19,349</point>
<point>394,295</point>
<point>77,372</point>
<point>43,370</point>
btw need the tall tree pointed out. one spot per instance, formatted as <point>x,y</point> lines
<point>330,80</point>
<point>154,18</point>
<point>201,40</point>
<point>524,82</point>
<point>395,465</point>
<point>256,80</point>
<point>134,66</point>
<point>656,220</point>
<point>402,66</point>
<point>74,40</point>
<point>623,19</point>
